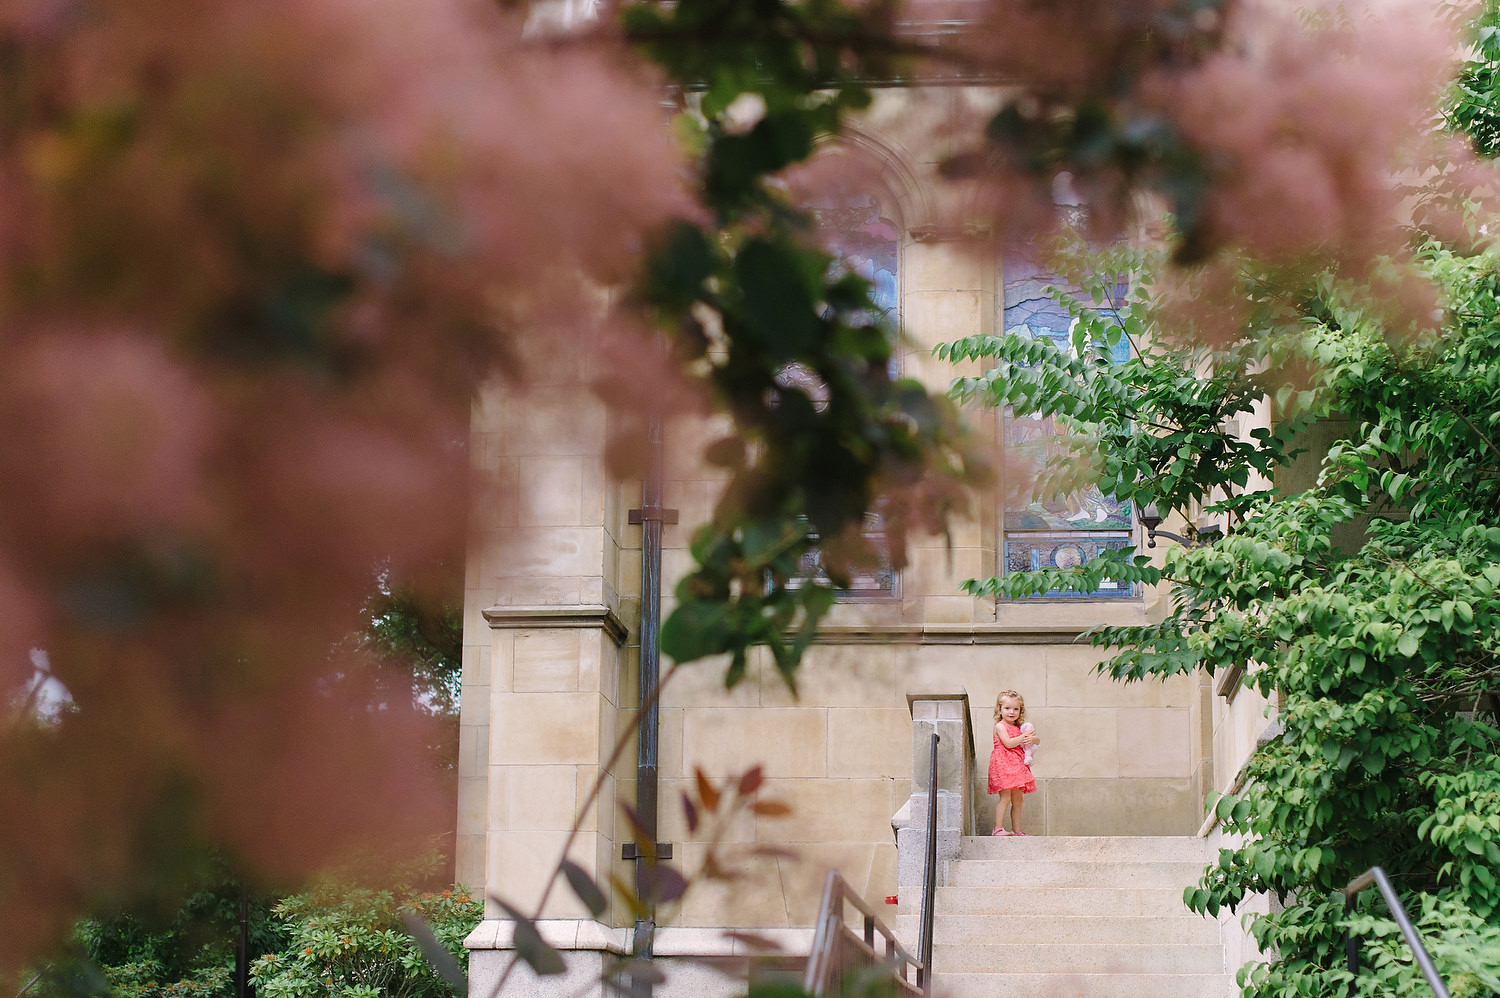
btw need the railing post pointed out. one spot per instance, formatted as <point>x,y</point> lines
<point>929,874</point>
<point>1393,903</point>
<point>942,781</point>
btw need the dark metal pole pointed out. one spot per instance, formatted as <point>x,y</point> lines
<point>1393,903</point>
<point>651,517</point>
<point>929,875</point>
<point>242,950</point>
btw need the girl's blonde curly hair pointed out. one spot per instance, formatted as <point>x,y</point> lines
<point>1014,696</point>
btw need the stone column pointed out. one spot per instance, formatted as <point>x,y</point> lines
<point>545,625</point>
<point>947,714</point>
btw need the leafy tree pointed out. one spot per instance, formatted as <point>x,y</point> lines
<point>421,633</point>
<point>1380,656</point>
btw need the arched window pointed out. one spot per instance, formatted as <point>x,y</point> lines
<point>864,238</point>
<point>1041,532</point>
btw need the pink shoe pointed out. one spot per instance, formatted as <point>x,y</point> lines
<point>1018,833</point>
<point>1000,831</point>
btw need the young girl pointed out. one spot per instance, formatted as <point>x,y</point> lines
<point>1010,777</point>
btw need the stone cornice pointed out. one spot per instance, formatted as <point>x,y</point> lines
<point>565,616</point>
<point>948,634</point>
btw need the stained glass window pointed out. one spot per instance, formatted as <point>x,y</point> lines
<point>865,240</point>
<point>1054,531</point>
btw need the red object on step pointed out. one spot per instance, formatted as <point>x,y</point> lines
<point>890,899</point>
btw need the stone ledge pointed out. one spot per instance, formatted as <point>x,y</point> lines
<point>575,615</point>
<point>559,933</point>
<point>949,634</point>
<point>569,934</point>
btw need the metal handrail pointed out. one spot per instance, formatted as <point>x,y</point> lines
<point>1377,876</point>
<point>837,948</point>
<point>929,872</point>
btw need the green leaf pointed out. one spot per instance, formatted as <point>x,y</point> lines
<point>584,887</point>
<point>778,305</point>
<point>696,629</point>
<point>539,956</point>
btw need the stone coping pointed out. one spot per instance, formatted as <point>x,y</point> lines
<point>587,934</point>
<point>506,617</point>
<point>949,634</point>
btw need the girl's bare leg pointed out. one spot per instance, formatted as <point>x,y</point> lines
<point>1015,811</point>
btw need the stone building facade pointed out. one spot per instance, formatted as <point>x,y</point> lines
<point>552,651</point>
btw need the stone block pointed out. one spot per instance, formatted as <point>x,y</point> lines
<point>754,900</point>
<point>701,685</point>
<point>1075,742</point>
<point>672,817</point>
<point>940,570</point>
<point>1154,742</point>
<point>869,742</point>
<point>1122,807</point>
<point>982,670</point>
<point>472,812</point>
<point>804,878</point>
<point>583,977</point>
<point>502,659</point>
<point>669,743</point>
<point>555,552</point>
<point>786,741</point>
<point>545,729</point>
<point>826,811</point>
<point>953,609</point>
<point>520,863</point>
<point>551,490</point>
<point>931,317</point>
<point>849,675</point>
<point>552,421</point>
<point>911,855</point>
<point>953,757</point>
<point>538,797</point>
<point>547,660</point>
<point>468,859</point>
<point>939,266</point>
<point>1072,682</point>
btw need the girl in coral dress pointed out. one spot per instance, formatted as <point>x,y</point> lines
<point>1010,774</point>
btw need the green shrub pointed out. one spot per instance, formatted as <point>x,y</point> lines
<point>349,942</point>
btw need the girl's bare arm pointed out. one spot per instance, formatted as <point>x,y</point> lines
<point>1007,740</point>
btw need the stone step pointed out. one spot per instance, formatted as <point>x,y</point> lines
<point>1077,958</point>
<point>1054,901</point>
<point>1185,929</point>
<point>1096,848</point>
<point>1045,874</point>
<point>1084,985</point>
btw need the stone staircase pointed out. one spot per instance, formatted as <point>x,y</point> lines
<point>1073,917</point>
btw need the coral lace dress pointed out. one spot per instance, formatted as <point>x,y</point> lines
<point>1008,769</point>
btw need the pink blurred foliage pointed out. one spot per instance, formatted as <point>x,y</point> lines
<point>1310,125</point>
<point>255,258</point>
<point>1306,130</point>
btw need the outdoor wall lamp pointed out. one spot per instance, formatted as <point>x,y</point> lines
<point>1151,519</point>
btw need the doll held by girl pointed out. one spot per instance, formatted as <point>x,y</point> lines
<point>1010,772</point>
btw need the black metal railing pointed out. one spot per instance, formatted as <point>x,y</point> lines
<point>929,871</point>
<point>1375,875</point>
<point>839,953</point>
